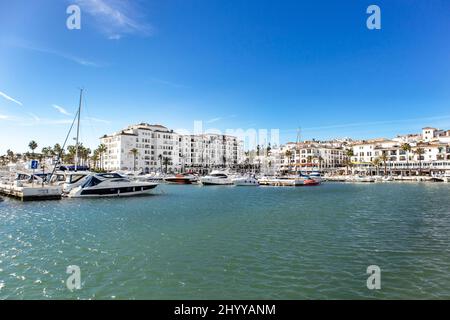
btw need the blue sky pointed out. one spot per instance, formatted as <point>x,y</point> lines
<point>232,64</point>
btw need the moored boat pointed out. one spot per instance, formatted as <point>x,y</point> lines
<point>216,178</point>
<point>111,185</point>
<point>245,181</point>
<point>181,179</point>
<point>74,179</point>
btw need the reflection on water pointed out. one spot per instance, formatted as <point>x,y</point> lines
<point>230,242</point>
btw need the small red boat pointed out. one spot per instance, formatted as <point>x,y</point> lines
<point>311,182</point>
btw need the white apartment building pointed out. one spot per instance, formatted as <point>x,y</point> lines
<point>433,142</point>
<point>311,155</point>
<point>161,149</point>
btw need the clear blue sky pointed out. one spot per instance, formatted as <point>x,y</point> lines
<point>232,64</point>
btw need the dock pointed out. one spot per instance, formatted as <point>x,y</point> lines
<point>31,192</point>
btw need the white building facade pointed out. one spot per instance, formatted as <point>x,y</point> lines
<point>152,148</point>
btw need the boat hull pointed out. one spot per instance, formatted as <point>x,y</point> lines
<point>214,182</point>
<point>246,182</point>
<point>113,192</point>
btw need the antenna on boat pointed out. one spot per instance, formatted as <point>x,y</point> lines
<point>78,129</point>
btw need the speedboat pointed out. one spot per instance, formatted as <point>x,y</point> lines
<point>74,179</point>
<point>246,181</point>
<point>216,178</point>
<point>315,175</point>
<point>311,182</point>
<point>181,179</point>
<point>110,185</point>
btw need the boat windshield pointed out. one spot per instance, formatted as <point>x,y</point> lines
<point>110,175</point>
<point>72,178</point>
<point>219,175</point>
<point>91,181</point>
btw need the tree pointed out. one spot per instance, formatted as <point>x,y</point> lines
<point>10,155</point>
<point>134,152</point>
<point>348,163</point>
<point>47,152</point>
<point>288,155</point>
<point>166,162</point>
<point>407,148</point>
<point>3,160</point>
<point>95,157</point>
<point>70,156</point>
<point>384,158</point>
<point>419,152</point>
<point>376,162</point>
<point>101,151</point>
<point>161,164</point>
<point>32,145</point>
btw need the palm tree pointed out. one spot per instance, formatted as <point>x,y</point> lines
<point>407,148</point>
<point>160,161</point>
<point>288,155</point>
<point>3,160</point>
<point>166,161</point>
<point>101,151</point>
<point>32,145</point>
<point>419,152</point>
<point>134,152</point>
<point>348,162</point>
<point>47,152</point>
<point>95,157</point>
<point>376,162</point>
<point>10,155</point>
<point>384,158</point>
<point>70,156</point>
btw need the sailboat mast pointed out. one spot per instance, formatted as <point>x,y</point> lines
<point>78,130</point>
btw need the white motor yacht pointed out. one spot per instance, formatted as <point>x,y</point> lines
<point>216,178</point>
<point>110,185</point>
<point>245,181</point>
<point>74,179</point>
<point>315,175</point>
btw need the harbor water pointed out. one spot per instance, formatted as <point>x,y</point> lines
<point>225,242</point>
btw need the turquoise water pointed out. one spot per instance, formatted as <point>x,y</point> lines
<point>193,242</point>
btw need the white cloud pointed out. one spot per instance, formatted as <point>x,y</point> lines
<point>35,117</point>
<point>61,110</point>
<point>4,117</point>
<point>116,17</point>
<point>213,120</point>
<point>4,95</point>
